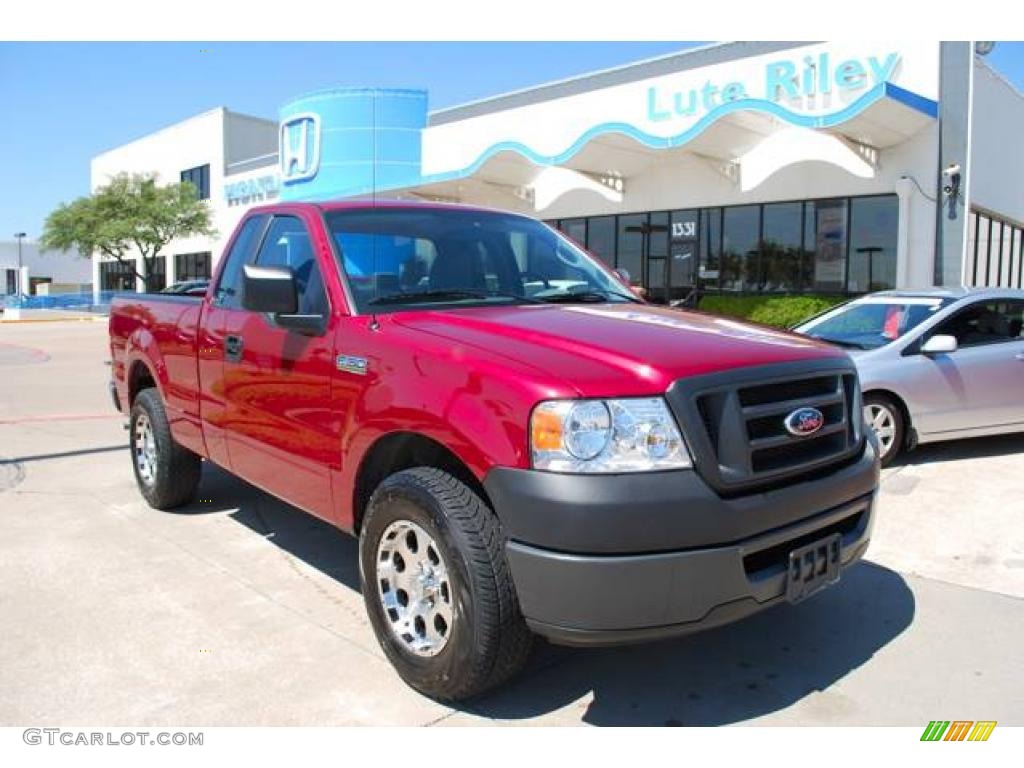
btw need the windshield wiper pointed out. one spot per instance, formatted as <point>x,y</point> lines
<point>441,295</point>
<point>586,297</point>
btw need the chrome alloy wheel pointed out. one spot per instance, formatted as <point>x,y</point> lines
<point>145,449</point>
<point>883,422</point>
<point>412,581</point>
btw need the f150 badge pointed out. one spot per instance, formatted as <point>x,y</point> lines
<point>804,422</point>
<point>351,364</point>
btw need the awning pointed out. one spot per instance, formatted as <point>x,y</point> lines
<point>884,117</point>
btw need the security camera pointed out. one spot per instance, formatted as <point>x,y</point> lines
<point>952,175</point>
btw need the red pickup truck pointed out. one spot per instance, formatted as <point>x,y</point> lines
<point>522,445</point>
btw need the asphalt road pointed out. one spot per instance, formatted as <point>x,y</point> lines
<point>240,610</point>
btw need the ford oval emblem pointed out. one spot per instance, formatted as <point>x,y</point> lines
<point>804,422</point>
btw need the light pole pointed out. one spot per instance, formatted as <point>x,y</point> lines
<point>20,236</point>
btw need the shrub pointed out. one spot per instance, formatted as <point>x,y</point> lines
<point>779,311</point>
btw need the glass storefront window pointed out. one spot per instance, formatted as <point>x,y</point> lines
<point>117,275</point>
<point>830,246</point>
<point>873,225</point>
<point>741,227</point>
<point>631,245</point>
<point>782,247</point>
<point>710,246</point>
<point>684,235</point>
<point>658,245</point>
<point>575,230</point>
<point>601,238</point>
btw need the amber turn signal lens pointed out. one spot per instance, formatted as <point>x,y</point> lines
<point>546,430</point>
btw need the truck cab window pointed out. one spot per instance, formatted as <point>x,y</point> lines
<point>229,286</point>
<point>287,244</point>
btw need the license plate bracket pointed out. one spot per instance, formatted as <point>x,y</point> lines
<point>813,567</point>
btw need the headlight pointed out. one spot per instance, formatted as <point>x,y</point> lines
<point>589,436</point>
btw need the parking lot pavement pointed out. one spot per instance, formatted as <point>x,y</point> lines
<point>241,610</point>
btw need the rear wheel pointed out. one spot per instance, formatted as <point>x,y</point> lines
<point>885,418</point>
<point>167,473</point>
<point>437,588</point>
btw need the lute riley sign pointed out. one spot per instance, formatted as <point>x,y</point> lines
<point>812,76</point>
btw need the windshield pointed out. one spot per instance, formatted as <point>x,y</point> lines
<point>398,258</point>
<point>872,322</point>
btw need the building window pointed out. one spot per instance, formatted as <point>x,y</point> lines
<point>601,238</point>
<point>710,247</point>
<point>630,255</point>
<point>199,177</point>
<point>782,252</point>
<point>575,230</point>
<point>193,266</point>
<point>741,234</point>
<point>12,281</point>
<point>156,280</point>
<point>117,275</point>
<point>873,225</point>
<point>830,246</point>
<point>995,252</point>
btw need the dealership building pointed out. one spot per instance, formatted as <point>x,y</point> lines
<point>833,168</point>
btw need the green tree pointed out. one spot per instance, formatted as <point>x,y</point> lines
<point>130,216</point>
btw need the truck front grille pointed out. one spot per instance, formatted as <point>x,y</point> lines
<point>735,422</point>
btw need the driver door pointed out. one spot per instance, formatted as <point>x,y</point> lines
<point>282,434</point>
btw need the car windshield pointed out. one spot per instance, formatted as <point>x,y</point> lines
<point>400,258</point>
<point>872,322</point>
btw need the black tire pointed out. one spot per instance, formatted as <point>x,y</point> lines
<point>889,449</point>
<point>488,642</point>
<point>176,470</point>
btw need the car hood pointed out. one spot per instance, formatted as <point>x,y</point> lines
<point>615,349</point>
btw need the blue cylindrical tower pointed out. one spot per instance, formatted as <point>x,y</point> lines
<point>344,142</point>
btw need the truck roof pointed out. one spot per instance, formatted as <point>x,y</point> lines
<point>364,204</point>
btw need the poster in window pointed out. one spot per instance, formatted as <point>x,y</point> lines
<point>830,264</point>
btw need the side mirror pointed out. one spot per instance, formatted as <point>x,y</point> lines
<point>623,275</point>
<point>940,344</point>
<point>269,289</point>
<point>273,290</point>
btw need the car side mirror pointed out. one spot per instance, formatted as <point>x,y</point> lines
<point>940,344</point>
<point>623,275</point>
<point>273,290</point>
<point>269,289</point>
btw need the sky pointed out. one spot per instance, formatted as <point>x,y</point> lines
<point>76,100</point>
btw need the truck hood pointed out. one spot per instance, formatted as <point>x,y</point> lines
<point>614,349</point>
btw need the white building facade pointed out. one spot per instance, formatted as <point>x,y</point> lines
<point>28,270</point>
<point>834,168</point>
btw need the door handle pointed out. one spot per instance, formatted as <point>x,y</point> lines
<point>1019,356</point>
<point>233,348</point>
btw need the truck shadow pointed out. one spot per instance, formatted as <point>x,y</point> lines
<point>727,675</point>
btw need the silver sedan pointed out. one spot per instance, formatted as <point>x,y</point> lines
<point>933,365</point>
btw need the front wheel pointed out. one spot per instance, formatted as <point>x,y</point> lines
<point>437,588</point>
<point>886,419</point>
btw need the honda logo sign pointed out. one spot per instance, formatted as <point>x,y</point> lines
<point>300,147</point>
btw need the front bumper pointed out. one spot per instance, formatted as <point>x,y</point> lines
<point>599,560</point>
